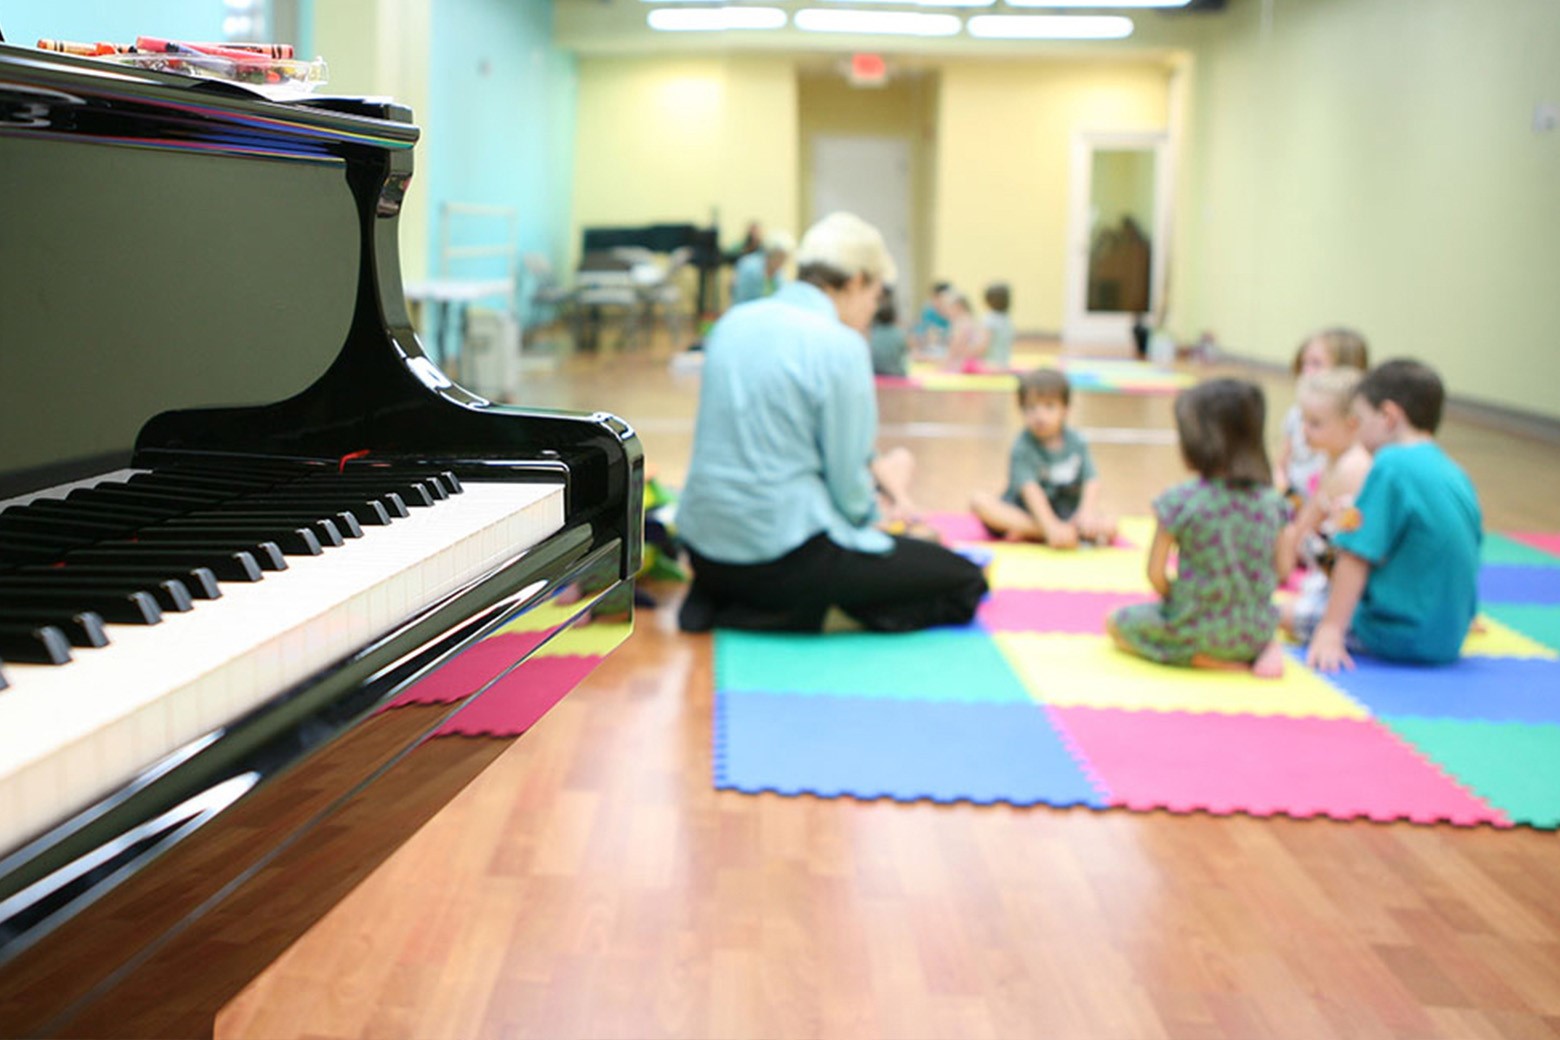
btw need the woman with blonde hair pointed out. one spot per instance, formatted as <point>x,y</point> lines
<point>785,493</point>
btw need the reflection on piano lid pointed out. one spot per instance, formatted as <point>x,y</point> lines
<point>258,555</point>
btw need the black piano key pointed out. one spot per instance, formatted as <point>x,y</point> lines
<point>81,627</point>
<point>201,583</point>
<point>389,502</point>
<point>413,491</point>
<point>201,482</point>
<point>451,482</point>
<point>129,515</point>
<point>33,644</point>
<point>22,549</point>
<point>267,554</point>
<point>227,566</point>
<point>366,513</point>
<point>134,608</point>
<point>330,530</point>
<point>166,502</point>
<point>294,541</point>
<point>170,593</point>
<point>19,521</point>
<point>3,683</point>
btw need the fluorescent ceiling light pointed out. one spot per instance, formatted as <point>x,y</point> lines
<point>1098,3</point>
<point>921,3</point>
<point>715,19</point>
<point>1049,27</point>
<point>893,23</point>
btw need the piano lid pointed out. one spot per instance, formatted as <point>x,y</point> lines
<point>214,261</point>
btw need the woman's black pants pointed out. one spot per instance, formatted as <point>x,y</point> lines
<point>915,585</point>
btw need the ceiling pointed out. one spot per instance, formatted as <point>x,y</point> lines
<point>618,27</point>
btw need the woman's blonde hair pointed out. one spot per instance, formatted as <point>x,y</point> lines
<point>1346,347</point>
<point>841,246</point>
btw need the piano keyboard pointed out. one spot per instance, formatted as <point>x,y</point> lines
<point>134,691</point>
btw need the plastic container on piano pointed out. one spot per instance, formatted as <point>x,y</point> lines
<point>278,78</point>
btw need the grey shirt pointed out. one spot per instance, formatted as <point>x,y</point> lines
<point>1061,474</point>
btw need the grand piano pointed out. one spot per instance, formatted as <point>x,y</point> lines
<point>273,589</point>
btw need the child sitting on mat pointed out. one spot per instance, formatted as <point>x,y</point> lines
<point>1297,466</point>
<point>1325,399</point>
<point>1053,490</point>
<point>1224,523</point>
<point>1405,585</point>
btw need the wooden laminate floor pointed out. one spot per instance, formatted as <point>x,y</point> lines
<point>592,883</point>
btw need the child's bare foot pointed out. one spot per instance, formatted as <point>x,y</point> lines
<point>1269,663</point>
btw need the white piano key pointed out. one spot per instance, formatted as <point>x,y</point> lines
<point>70,734</point>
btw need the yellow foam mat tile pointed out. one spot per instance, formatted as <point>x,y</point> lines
<point>1088,569</point>
<point>1088,671</point>
<point>1139,530</point>
<point>1490,638</point>
<point>963,381</point>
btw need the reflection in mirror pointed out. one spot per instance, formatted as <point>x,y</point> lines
<point>1121,219</point>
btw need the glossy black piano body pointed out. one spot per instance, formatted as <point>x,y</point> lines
<point>142,913</point>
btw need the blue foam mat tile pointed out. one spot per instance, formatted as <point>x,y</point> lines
<point>1491,689</point>
<point>905,750</point>
<point>1519,583</point>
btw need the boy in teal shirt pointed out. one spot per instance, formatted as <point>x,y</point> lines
<point>1405,584</point>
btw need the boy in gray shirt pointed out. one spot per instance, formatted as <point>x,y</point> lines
<point>1053,489</point>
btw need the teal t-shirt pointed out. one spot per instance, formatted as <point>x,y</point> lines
<point>1420,529</point>
<point>1061,474</point>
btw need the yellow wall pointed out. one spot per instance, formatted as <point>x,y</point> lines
<point>681,139</point>
<point>1005,137</point>
<point>1373,162</point>
<point>379,47</point>
<point>905,108</point>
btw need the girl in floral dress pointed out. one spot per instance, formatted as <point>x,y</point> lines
<point>1223,526</point>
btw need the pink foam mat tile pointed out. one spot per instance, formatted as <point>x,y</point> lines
<point>1342,769</point>
<point>1048,610</point>
<point>958,527</point>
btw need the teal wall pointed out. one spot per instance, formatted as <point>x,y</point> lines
<point>113,21</point>
<point>500,130</point>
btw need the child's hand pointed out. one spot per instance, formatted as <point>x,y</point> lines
<point>1327,652</point>
<point>1062,536</point>
<point>1093,527</point>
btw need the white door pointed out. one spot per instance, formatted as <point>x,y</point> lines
<point>1118,231</point>
<point>870,177</point>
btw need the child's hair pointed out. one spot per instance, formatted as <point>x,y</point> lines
<point>999,297</point>
<point>1334,386</point>
<point>938,288</point>
<point>1221,425</point>
<point>1346,347</point>
<point>1411,385</point>
<point>1046,384</point>
<point>887,313</point>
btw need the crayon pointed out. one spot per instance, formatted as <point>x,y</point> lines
<point>159,46</point>
<point>269,50</point>
<point>84,50</point>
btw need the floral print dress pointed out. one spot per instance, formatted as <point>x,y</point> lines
<point>1221,600</point>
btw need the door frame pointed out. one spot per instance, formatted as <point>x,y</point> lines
<point>1080,325</point>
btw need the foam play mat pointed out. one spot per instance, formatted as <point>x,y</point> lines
<point>1087,375</point>
<point>1031,705</point>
